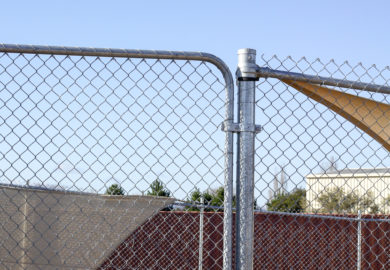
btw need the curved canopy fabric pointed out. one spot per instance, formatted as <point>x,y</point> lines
<point>370,116</point>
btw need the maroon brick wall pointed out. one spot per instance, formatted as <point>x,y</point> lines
<point>169,240</point>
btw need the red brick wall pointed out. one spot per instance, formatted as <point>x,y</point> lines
<point>169,240</point>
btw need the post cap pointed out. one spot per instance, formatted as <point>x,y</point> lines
<point>246,64</point>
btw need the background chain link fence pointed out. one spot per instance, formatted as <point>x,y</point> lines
<point>322,184</point>
<point>77,130</point>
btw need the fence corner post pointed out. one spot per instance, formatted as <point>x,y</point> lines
<point>246,78</point>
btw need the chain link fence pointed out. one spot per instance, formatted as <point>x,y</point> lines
<point>115,159</point>
<point>322,165</point>
<point>94,142</point>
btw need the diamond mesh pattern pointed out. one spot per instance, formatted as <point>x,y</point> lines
<point>73,126</point>
<point>316,171</point>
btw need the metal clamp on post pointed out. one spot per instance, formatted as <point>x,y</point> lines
<point>237,127</point>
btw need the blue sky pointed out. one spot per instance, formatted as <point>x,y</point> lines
<point>353,30</point>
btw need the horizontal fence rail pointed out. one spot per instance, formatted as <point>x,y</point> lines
<point>264,72</point>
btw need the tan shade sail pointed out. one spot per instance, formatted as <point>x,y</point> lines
<point>370,116</point>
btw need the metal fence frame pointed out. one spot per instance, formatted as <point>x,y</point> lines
<point>174,55</point>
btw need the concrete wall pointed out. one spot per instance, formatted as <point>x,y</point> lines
<point>46,229</point>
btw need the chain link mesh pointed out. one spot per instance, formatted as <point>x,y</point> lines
<point>322,183</point>
<point>77,130</point>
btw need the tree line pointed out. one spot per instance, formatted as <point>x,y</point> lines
<point>334,200</point>
<point>209,200</point>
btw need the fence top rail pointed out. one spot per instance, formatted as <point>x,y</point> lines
<point>108,52</point>
<point>365,218</point>
<point>132,53</point>
<point>264,72</point>
<point>126,53</point>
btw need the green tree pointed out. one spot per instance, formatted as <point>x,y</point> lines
<point>386,204</point>
<point>337,201</point>
<point>157,189</point>
<point>217,197</point>
<point>210,198</point>
<point>368,203</point>
<point>115,189</point>
<point>195,198</point>
<point>294,201</point>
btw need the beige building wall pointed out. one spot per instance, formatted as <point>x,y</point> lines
<point>360,181</point>
<point>46,229</point>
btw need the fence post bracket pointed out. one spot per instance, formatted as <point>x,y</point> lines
<point>238,127</point>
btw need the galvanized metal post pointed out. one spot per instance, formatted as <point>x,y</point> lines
<point>201,225</point>
<point>359,241</point>
<point>245,184</point>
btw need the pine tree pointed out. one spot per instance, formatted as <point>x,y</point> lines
<point>115,189</point>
